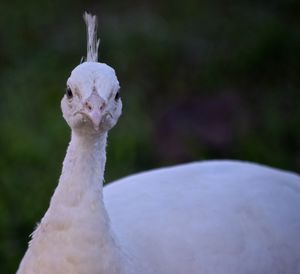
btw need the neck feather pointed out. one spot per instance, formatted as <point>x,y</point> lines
<point>83,169</point>
<point>76,227</point>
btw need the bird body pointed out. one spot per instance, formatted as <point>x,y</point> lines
<point>215,217</point>
<point>211,217</point>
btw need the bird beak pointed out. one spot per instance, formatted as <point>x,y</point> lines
<point>93,109</point>
<point>95,116</point>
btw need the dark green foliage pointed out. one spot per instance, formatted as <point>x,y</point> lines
<point>200,80</point>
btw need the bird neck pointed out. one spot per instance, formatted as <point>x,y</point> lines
<point>85,160</point>
<point>76,226</point>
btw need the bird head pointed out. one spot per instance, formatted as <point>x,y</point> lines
<point>92,104</point>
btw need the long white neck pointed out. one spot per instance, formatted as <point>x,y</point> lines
<point>83,167</point>
<point>74,236</point>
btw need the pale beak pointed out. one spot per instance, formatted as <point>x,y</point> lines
<point>93,109</point>
<point>95,116</point>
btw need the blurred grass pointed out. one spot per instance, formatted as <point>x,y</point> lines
<point>203,79</point>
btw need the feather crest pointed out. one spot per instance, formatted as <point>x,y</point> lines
<point>92,41</point>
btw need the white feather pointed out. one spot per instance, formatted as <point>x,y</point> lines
<point>92,41</point>
<point>215,217</point>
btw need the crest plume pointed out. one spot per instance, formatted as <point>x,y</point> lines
<point>92,41</point>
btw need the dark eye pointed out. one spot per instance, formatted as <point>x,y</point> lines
<point>117,97</point>
<point>69,93</point>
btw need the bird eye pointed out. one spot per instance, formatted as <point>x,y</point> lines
<point>69,93</point>
<point>117,97</point>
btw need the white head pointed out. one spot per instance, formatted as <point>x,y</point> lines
<point>92,103</point>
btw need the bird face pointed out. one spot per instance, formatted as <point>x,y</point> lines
<point>92,103</point>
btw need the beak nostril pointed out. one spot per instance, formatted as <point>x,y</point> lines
<point>88,106</point>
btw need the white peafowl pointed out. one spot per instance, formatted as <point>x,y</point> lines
<point>212,217</point>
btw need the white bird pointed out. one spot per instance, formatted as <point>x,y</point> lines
<point>212,217</point>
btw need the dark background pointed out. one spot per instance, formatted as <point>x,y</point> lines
<point>200,80</point>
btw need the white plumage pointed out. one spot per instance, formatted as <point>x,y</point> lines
<point>213,217</point>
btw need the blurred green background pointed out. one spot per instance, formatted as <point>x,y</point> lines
<point>200,80</point>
